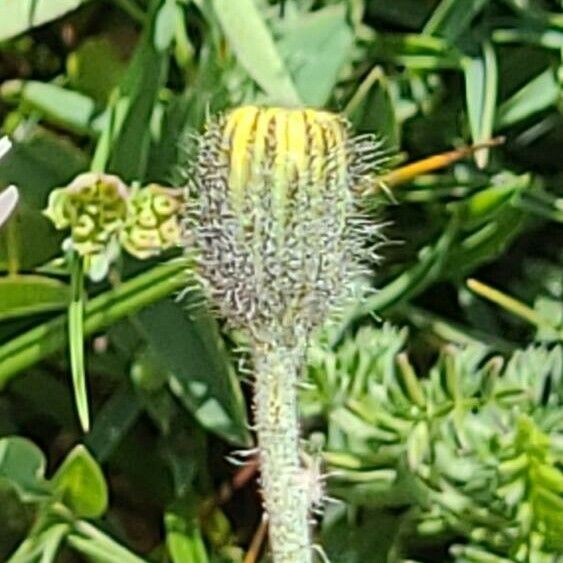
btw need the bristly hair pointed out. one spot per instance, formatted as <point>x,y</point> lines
<point>275,219</point>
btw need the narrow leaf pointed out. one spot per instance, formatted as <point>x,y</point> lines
<point>76,341</point>
<point>255,49</point>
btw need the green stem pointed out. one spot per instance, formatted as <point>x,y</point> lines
<point>107,308</point>
<point>76,340</point>
<point>285,484</point>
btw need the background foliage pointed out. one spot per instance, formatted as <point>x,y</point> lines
<point>443,426</point>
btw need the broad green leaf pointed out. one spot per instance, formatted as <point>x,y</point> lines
<point>20,15</point>
<point>29,295</point>
<point>315,48</point>
<point>481,85</point>
<point>537,95</point>
<point>190,348</point>
<point>22,465</point>
<point>81,484</point>
<point>452,17</point>
<point>69,109</point>
<point>255,49</point>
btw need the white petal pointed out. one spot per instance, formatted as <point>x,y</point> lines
<point>5,145</point>
<point>8,200</point>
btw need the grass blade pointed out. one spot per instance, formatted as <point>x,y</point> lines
<point>76,341</point>
<point>255,49</point>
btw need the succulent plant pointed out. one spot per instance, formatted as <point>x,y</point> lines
<point>475,449</point>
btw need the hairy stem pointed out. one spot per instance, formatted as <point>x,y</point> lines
<point>284,486</point>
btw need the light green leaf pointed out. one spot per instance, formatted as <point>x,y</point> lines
<point>81,484</point>
<point>99,547</point>
<point>481,85</point>
<point>29,295</point>
<point>42,545</point>
<point>20,15</point>
<point>76,340</point>
<point>183,539</point>
<point>255,49</point>
<point>61,106</point>
<point>22,465</point>
<point>315,47</point>
<point>165,25</point>
<point>537,95</point>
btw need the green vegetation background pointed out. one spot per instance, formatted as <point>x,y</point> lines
<point>443,426</point>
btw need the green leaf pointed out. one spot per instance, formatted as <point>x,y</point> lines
<point>165,25</point>
<point>190,348</point>
<point>124,146</point>
<point>315,47</point>
<point>481,85</point>
<point>41,545</point>
<point>540,93</point>
<point>83,69</point>
<point>76,340</point>
<point>20,15</point>
<point>100,312</point>
<point>113,421</point>
<point>452,17</point>
<point>255,49</point>
<point>60,106</point>
<point>30,295</point>
<point>183,539</point>
<point>372,109</point>
<point>22,465</point>
<point>99,547</point>
<point>81,484</point>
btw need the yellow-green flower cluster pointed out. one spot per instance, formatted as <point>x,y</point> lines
<point>94,207</point>
<point>152,222</point>
<point>103,214</point>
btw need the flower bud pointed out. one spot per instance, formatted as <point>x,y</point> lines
<point>277,222</point>
<point>94,207</point>
<point>152,222</point>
